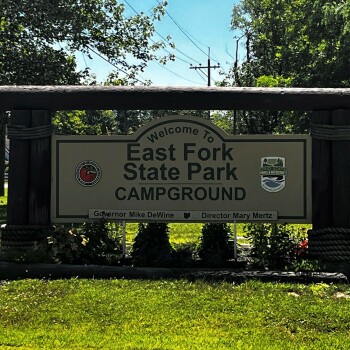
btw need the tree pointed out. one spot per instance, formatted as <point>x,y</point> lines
<point>38,39</point>
<point>296,43</point>
<point>301,40</point>
<point>100,122</point>
<point>85,122</point>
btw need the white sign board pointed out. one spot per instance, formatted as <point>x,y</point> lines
<point>186,169</point>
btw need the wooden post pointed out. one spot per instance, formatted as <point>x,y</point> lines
<point>40,173</point>
<point>3,118</point>
<point>341,173</point>
<point>331,188</point>
<point>322,200</point>
<point>28,208</point>
<point>17,206</point>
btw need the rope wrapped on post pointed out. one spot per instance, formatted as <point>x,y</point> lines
<point>21,132</point>
<point>22,237</point>
<point>330,244</point>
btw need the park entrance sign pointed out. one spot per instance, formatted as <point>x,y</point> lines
<point>182,169</point>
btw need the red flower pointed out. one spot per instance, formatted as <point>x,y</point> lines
<point>303,244</point>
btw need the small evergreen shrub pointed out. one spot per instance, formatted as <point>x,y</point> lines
<point>214,248</point>
<point>273,246</point>
<point>151,246</point>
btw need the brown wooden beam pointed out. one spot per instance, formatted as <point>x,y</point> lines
<point>152,97</point>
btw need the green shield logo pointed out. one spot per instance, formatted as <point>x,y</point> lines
<point>273,173</point>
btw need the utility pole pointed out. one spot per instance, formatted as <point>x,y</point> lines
<point>208,67</point>
<point>237,84</point>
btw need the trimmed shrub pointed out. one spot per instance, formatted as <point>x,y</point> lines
<point>214,248</point>
<point>151,246</point>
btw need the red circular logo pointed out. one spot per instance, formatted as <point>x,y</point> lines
<point>88,173</point>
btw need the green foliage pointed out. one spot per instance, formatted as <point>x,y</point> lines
<point>95,242</point>
<point>102,242</point>
<point>271,81</point>
<point>273,246</point>
<point>98,242</point>
<point>151,246</point>
<point>38,39</point>
<point>86,122</point>
<point>214,249</point>
<point>302,40</point>
<point>223,120</point>
<point>184,255</point>
<point>63,246</point>
<point>282,246</point>
<point>131,120</point>
<point>296,43</point>
<point>308,265</point>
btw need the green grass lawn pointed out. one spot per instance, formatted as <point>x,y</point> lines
<point>181,233</point>
<point>142,314</point>
<point>3,199</point>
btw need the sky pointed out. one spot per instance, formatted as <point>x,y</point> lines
<point>206,23</point>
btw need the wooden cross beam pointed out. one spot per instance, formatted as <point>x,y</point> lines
<point>152,97</point>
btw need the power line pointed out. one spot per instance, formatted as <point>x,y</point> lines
<point>189,36</point>
<point>178,75</point>
<point>86,66</point>
<point>199,73</point>
<point>176,49</point>
<point>161,36</point>
<point>172,72</point>
<point>102,57</point>
<point>228,52</point>
<point>194,37</point>
<point>182,30</point>
<point>208,67</point>
<point>192,59</point>
<point>212,53</point>
<point>179,58</point>
<point>111,63</point>
<point>217,60</point>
